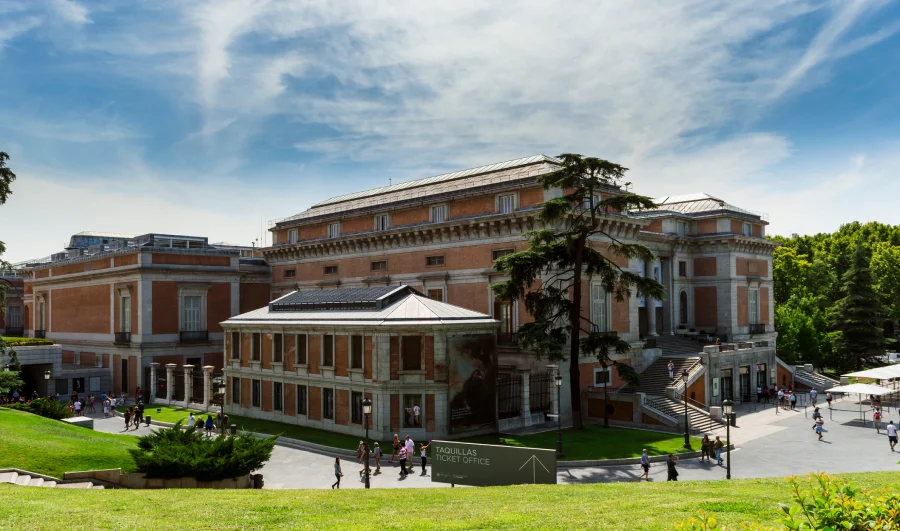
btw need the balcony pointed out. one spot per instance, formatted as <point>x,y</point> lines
<point>123,338</point>
<point>193,336</point>
<point>40,334</point>
<point>14,331</point>
<point>759,328</point>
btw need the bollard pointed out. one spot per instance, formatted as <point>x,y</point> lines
<point>233,429</point>
<point>147,418</point>
<point>257,480</point>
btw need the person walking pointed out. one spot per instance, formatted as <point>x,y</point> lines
<point>402,456</point>
<point>337,473</point>
<point>812,397</point>
<point>820,427</point>
<point>140,410</point>
<point>645,464</point>
<point>364,459</point>
<point>876,420</point>
<point>410,451</point>
<point>423,452</point>
<point>191,420</point>
<point>209,425</point>
<point>717,446</point>
<point>758,394</point>
<point>781,398</point>
<point>377,454</point>
<point>793,401</point>
<point>705,447</point>
<point>891,430</point>
<point>671,367</point>
<point>828,398</point>
<point>395,449</point>
<point>77,407</point>
<point>127,418</point>
<point>671,461</point>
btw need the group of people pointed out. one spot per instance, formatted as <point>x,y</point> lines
<point>134,415</point>
<point>671,468</point>
<point>209,424</point>
<point>402,450</point>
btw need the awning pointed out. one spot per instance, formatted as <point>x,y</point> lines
<point>879,373</point>
<point>863,389</point>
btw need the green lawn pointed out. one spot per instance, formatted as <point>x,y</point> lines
<point>52,447</point>
<point>596,442</point>
<point>166,413</point>
<point>614,506</point>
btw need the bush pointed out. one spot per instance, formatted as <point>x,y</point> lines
<point>45,408</point>
<point>177,453</point>
<point>26,341</point>
<point>825,503</point>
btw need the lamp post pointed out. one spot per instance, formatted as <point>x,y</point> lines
<point>559,448</point>
<point>687,428</point>
<point>728,407</point>
<point>367,410</point>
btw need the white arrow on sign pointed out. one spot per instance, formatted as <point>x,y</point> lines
<point>533,459</point>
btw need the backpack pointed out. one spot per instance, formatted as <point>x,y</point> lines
<point>877,415</point>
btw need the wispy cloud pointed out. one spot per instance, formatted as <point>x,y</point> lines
<point>70,11</point>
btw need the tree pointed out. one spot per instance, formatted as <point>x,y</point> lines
<point>9,381</point>
<point>885,266</point>
<point>858,316</point>
<point>6,178</point>
<point>550,274</point>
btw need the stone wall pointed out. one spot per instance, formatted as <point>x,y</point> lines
<point>137,480</point>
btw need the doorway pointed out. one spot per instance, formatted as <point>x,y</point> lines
<point>745,382</point>
<point>727,385</point>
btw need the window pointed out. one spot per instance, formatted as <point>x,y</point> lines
<point>436,295</point>
<point>331,270</point>
<point>439,214</point>
<point>753,304</point>
<point>683,308</point>
<point>235,345</point>
<point>328,404</point>
<point>94,384</point>
<point>41,315</point>
<point>334,230</point>
<point>77,385</point>
<point>277,396</point>
<point>190,308</point>
<point>356,352</point>
<point>681,228</point>
<point>411,353</point>
<point>382,222</point>
<point>255,347</point>
<point>301,350</point>
<point>301,400</point>
<point>412,411</point>
<point>506,203</point>
<point>236,391</point>
<point>14,317</point>
<point>380,265</point>
<point>602,377</point>
<point>748,229</point>
<point>499,253</point>
<point>431,261</point>
<point>599,309</point>
<point>292,236</point>
<point>125,305</point>
<point>256,395</point>
<point>328,351</point>
<point>356,412</point>
<point>290,273</point>
<point>277,348</point>
<point>682,269</point>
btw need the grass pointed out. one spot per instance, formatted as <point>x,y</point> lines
<point>25,341</point>
<point>614,506</point>
<point>52,447</point>
<point>596,442</point>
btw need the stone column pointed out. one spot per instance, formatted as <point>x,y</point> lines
<point>207,383</point>
<point>153,367</point>
<point>526,397</point>
<point>170,385</point>
<point>188,383</point>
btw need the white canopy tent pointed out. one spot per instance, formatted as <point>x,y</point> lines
<point>862,389</point>
<point>879,373</point>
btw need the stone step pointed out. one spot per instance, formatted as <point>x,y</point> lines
<point>8,477</point>
<point>82,485</point>
<point>49,484</point>
<point>23,480</point>
<point>98,487</point>
<point>36,482</point>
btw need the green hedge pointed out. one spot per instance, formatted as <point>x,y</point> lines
<point>26,341</point>
<point>44,407</point>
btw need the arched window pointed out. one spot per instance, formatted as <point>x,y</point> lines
<point>683,308</point>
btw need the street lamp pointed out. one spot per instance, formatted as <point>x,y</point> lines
<point>46,375</point>
<point>728,407</point>
<point>559,449</point>
<point>687,428</point>
<point>367,410</point>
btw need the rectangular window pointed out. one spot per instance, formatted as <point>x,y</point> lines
<point>277,348</point>
<point>235,345</point>
<point>681,228</point>
<point>334,230</point>
<point>277,396</point>
<point>682,269</point>
<point>290,273</point>
<point>748,229</point>
<point>331,270</point>
<point>412,411</point>
<point>356,412</point>
<point>411,353</point>
<point>431,261</point>
<point>753,303</point>
<point>14,317</point>
<point>436,295</point>
<point>506,204</point>
<point>125,305</point>
<point>599,309</point>
<point>382,222</point>
<point>292,236</point>
<point>356,352</point>
<point>328,404</point>
<point>41,315</point>
<point>256,395</point>
<point>328,351</point>
<point>602,377</point>
<point>301,400</point>
<point>439,214</point>
<point>380,265</point>
<point>301,350</point>
<point>499,253</point>
<point>191,314</point>
<point>255,347</point>
<point>236,391</point>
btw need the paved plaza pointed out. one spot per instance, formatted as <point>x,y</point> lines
<point>769,445</point>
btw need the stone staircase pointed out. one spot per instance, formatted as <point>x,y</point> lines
<point>814,379</point>
<point>698,419</point>
<point>23,478</point>
<point>655,378</point>
<point>678,346</point>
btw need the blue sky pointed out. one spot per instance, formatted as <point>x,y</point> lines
<point>212,118</point>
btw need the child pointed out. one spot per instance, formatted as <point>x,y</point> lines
<point>337,473</point>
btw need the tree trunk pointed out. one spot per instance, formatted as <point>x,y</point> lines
<point>575,337</point>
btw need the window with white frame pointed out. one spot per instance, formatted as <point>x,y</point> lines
<point>41,314</point>
<point>753,303</point>
<point>277,348</point>
<point>292,236</point>
<point>328,404</point>
<point>301,400</point>
<point>14,317</point>
<point>439,214</point>
<point>602,377</point>
<point>255,346</point>
<point>356,352</point>
<point>125,305</point>
<point>277,396</point>
<point>599,309</point>
<point>382,222</point>
<point>334,230</point>
<point>301,350</point>
<point>506,204</point>
<point>433,261</point>
<point>681,228</point>
<point>235,345</point>
<point>236,390</point>
<point>748,229</point>
<point>436,294</point>
<point>256,393</point>
<point>190,311</point>
<point>356,410</point>
<point>379,265</point>
<point>327,351</point>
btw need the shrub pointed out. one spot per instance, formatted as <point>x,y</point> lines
<point>177,453</point>
<point>45,408</point>
<point>26,341</point>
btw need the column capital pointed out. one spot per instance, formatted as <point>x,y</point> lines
<point>171,365</point>
<point>187,367</point>
<point>154,364</point>
<point>209,368</point>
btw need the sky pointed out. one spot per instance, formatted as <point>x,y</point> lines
<point>213,118</point>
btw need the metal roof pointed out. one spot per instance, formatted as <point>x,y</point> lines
<point>342,298</point>
<point>693,205</point>
<point>105,234</point>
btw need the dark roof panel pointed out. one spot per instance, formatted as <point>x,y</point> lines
<point>341,299</point>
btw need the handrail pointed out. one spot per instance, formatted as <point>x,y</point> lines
<point>695,403</point>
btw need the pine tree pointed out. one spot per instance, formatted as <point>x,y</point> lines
<point>857,316</point>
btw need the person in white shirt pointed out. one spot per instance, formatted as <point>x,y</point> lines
<point>191,420</point>
<point>410,451</point>
<point>892,434</point>
<point>77,408</point>
<point>812,396</point>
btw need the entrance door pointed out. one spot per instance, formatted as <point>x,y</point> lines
<point>503,313</point>
<point>745,383</point>
<point>727,385</point>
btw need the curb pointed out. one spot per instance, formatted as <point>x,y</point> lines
<point>628,460</point>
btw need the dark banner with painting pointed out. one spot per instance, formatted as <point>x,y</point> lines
<point>473,382</point>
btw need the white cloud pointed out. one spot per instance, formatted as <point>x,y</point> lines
<point>70,11</point>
